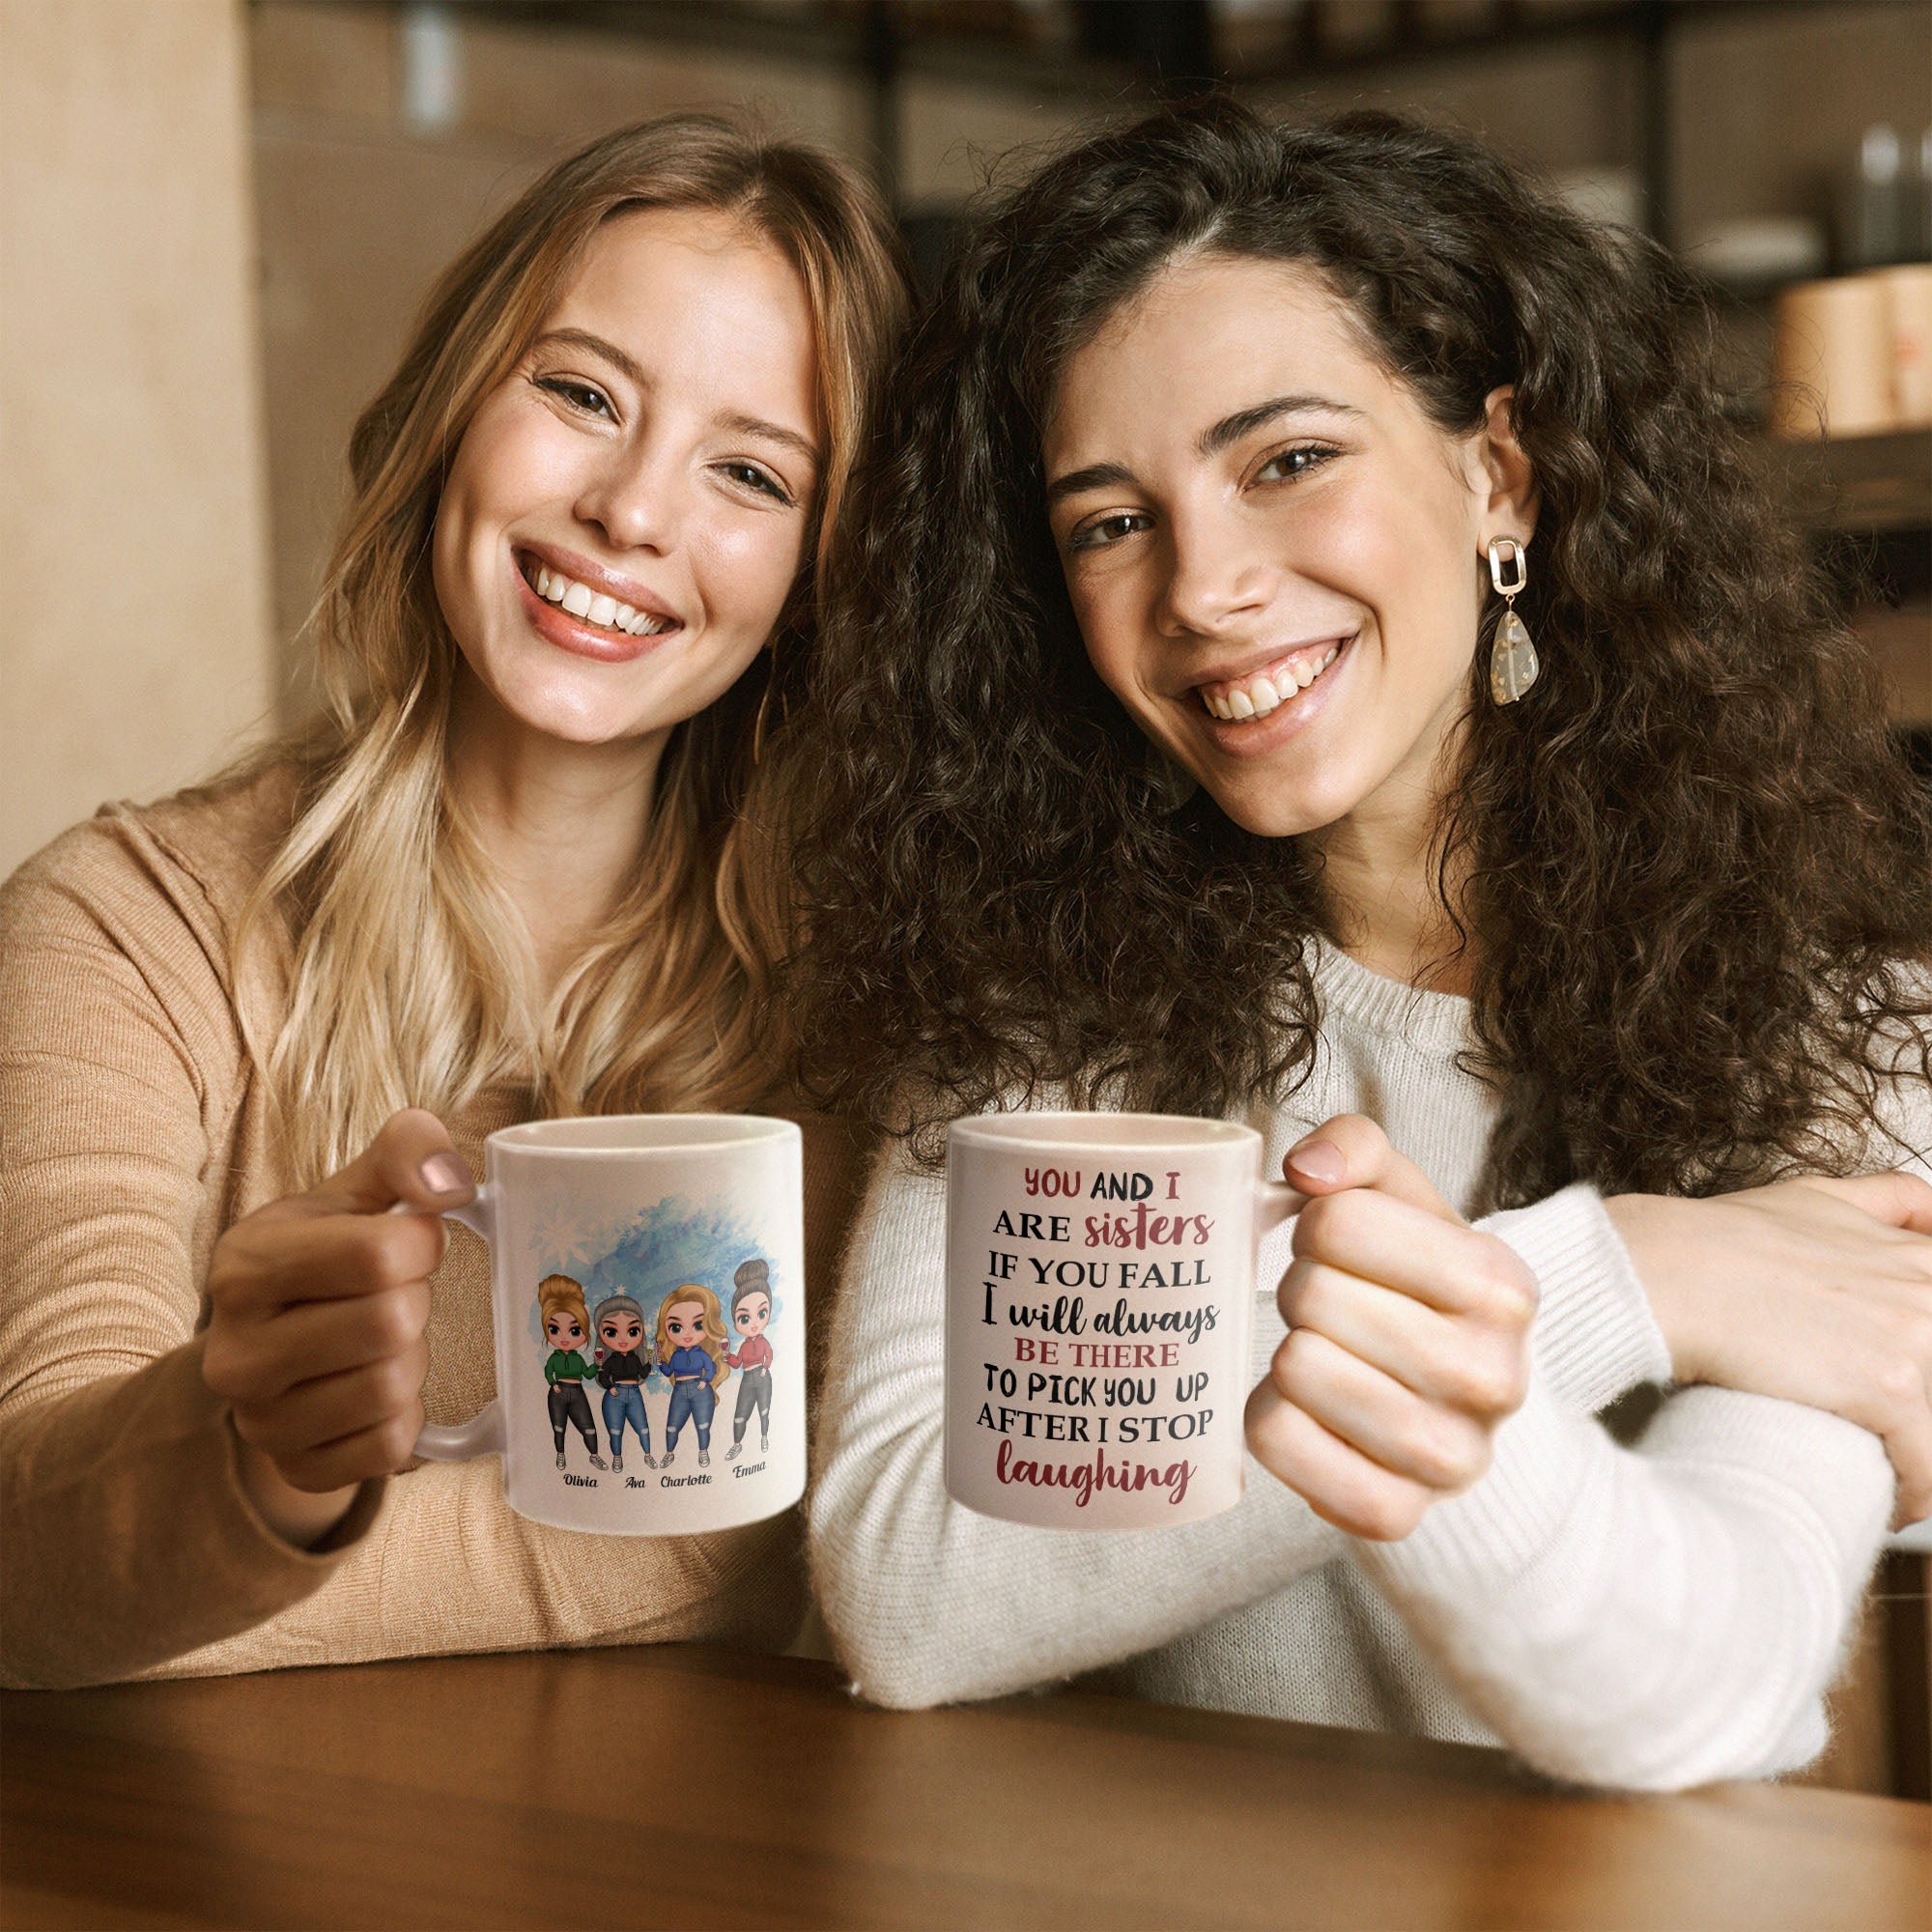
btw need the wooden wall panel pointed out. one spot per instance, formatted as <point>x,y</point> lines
<point>1771,104</point>
<point>1557,107</point>
<point>136,649</point>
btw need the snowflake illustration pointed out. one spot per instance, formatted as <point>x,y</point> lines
<point>571,1239</point>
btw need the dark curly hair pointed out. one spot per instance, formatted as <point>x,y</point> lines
<point>1696,866</point>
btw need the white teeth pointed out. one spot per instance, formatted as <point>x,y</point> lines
<point>593,605</point>
<point>1260,695</point>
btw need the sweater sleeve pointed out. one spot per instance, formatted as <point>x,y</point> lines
<point>1595,1337</point>
<point>1650,1618</point>
<point>1664,1615</point>
<point>929,1601</point>
<point>128,1536</point>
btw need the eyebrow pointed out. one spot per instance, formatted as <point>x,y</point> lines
<point>1096,477</point>
<point>769,431</point>
<point>1244,422</point>
<point>1231,429</point>
<point>632,372</point>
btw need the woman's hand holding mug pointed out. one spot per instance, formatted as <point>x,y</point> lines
<point>1407,1345</point>
<point>318,1307</point>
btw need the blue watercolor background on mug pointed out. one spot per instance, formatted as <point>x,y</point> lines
<point>647,1255</point>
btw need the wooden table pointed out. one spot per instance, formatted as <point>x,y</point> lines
<point>685,1787</point>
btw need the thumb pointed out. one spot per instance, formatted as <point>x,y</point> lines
<point>1350,1150</point>
<point>1899,1200</point>
<point>411,1162</point>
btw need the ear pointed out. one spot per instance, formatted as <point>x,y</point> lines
<point>1510,510</point>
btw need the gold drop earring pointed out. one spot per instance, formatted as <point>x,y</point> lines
<point>1513,660</point>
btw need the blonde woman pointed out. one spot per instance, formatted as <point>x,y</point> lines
<point>569,1363</point>
<point>517,871</point>
<point>691,1353</point>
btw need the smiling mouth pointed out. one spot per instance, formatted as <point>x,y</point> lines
<point>1260,692</point>
<point>595,607</point>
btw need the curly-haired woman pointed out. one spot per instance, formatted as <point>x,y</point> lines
<point>1178,751</point>
<point>519,871</point>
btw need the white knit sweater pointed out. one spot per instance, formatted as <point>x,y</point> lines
<point>1651,1618</point>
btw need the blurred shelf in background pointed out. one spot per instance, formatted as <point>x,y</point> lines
<point>1862,483</point>
<point>1101,43</point>
<point>1124,52</point>
<point>1868,502</point>
<point>1901,641</point>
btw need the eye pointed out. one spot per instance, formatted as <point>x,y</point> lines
<point>1107,530</point>
<point>584,397</point>
<point>1286,465</point>
<point>750,476</point>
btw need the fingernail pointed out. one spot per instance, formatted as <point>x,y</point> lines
<point>1320,1160</point>
<point>444,1174</point>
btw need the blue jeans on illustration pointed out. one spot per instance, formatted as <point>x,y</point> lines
<point>694,1402</point>
<point>626,1402</point>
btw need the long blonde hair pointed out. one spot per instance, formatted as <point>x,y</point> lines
<point>413,979</point>
<point>712,1314</point>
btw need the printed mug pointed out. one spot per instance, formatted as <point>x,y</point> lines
<point>647,1291</point>
<point>1101,1283</point>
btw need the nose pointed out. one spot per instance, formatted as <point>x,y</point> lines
<point>1217,573</point>
<point>637,499</point>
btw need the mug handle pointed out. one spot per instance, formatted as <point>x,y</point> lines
<point>1275,1202</point>
<point>483,1434</point>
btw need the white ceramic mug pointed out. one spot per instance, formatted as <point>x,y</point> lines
<point>648,1290</point>
<point>1100,1282</point>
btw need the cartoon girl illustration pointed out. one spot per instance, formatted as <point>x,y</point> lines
<point>751,1312</point>
<point>621,1368</point>
<point>691,1352</point>
<point>566,1327</point>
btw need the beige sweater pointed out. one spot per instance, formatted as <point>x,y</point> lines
<point>132,1132</point>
